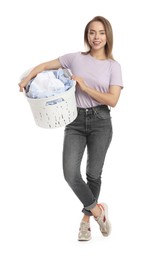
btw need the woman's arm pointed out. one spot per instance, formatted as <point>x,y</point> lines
<point>53,64</point>
<point>109,99</point>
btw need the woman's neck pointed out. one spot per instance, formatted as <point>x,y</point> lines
<point>98,54</point>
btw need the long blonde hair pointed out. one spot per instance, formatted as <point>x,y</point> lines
<point>109,35</point>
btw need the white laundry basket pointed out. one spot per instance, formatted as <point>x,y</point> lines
<point>55,111</point>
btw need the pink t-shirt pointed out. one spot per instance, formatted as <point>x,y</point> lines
<point>98,74</point>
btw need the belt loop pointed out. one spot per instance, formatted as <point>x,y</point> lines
<point>94,110</point>
<point>78,110</point>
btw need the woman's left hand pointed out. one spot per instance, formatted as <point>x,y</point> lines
<point>80,82</point>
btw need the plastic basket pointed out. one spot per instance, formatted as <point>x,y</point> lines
<point>55,111</point>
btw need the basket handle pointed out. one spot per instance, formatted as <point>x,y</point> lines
<point>54,102</point>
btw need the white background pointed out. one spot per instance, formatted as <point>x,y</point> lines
<point>39,214</point>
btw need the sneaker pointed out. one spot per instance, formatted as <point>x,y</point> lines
<point>102,220</point>
<point>84,231</point>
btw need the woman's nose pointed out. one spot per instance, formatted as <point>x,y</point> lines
<point>96,36</point>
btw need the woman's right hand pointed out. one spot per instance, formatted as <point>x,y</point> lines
<point>22,85</point>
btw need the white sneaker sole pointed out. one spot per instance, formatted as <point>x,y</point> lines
<point>84,239</point>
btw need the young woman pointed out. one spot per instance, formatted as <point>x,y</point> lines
<point>99,84</point>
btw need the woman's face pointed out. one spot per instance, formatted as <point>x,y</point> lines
<point>96,35</point>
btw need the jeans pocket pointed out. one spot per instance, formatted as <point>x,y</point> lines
<point>102,113</point>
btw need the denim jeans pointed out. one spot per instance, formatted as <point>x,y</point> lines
<point>92,129</point>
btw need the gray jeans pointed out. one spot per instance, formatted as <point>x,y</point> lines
<point>92,129</point>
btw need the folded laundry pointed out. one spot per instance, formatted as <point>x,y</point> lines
<point>49,83</point>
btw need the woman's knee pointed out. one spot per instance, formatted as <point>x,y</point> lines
<point>70,175</point>
<point>94,178</point>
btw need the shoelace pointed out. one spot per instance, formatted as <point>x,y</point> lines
<point>84,227</point>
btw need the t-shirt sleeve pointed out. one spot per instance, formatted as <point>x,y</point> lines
<point>116,75</point>
<point>66,60</point>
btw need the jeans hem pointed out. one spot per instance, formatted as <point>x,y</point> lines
<point>87,211</point>
<point>91,206</point>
